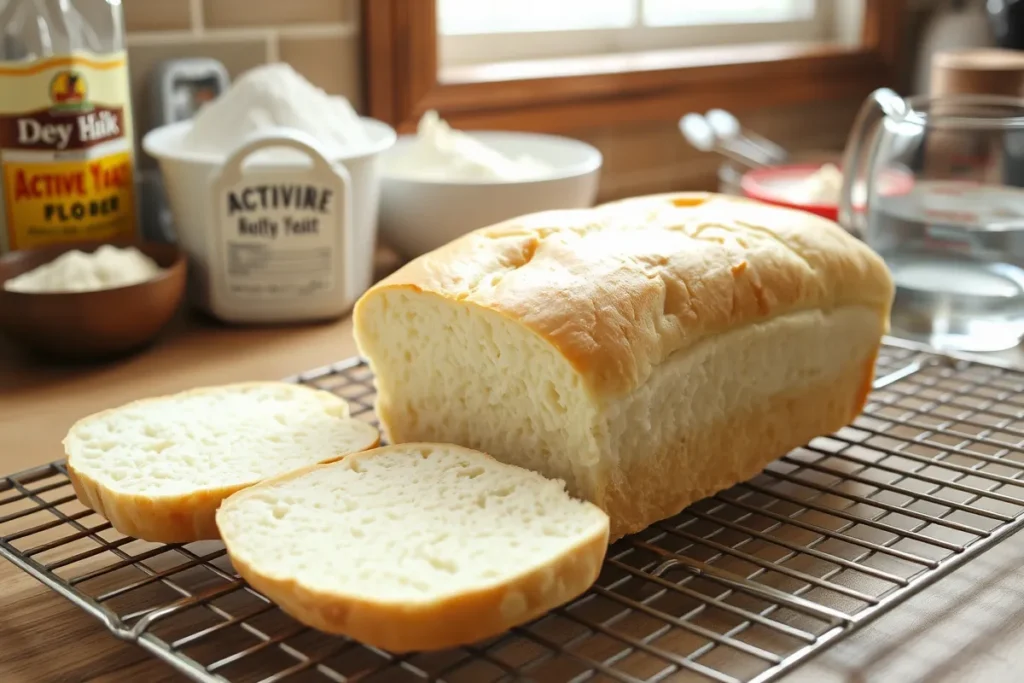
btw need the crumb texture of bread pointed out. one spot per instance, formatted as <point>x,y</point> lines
<point>158,468</point>
<point>649,352</point>
<point>415,547</point>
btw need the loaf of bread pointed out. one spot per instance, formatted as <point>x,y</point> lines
<point>414,547</point>
<point>649,352</point>
<point>157,469</point>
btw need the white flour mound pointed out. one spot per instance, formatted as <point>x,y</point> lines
<point>276,96</point>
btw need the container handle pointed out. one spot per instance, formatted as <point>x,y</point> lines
<point>233,171</point>
<point>883,102</point>
<point>277,137</point>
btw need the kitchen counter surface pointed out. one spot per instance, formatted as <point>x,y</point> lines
<point>965,628</point>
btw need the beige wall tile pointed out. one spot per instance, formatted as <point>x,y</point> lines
<point>696,175</point>
<point>642,146</point>
<point>332,63</point>
<point>806,126</point>
<point>633,147</point>
<point>645,158</point>
<point>156,15</point>
<point>222,13</point>
<point>236,55</point>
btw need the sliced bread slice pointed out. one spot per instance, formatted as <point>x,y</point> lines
<point>415,546</point>
<point>158,468</point>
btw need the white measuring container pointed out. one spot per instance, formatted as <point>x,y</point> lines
<point>278,231</point>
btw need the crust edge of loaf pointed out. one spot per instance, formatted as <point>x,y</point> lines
<point>836,409</point>
<point>180,517</point>
<point>617,365</point>
<point>402,627</point>
<point>462,620</point>
<point>175,518</point>
<point>169,519</point>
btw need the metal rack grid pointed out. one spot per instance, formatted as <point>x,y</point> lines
<point>742,586</point>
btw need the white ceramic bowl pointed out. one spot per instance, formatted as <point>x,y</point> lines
<point>417,216</point>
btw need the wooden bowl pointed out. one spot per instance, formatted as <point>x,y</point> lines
<point>97,324</point>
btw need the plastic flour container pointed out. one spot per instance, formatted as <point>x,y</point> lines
<point>278,230</point>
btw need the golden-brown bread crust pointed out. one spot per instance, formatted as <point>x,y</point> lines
<point>177,518</point>
<point>158,519</point>
<point>467,618</point>
<point>662,485</point>
<point>619,288</point>
<point>401,626</point>
<point>164,519</point>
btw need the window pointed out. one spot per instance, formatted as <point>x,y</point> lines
<point>482,31</point>
<point>554,65</point>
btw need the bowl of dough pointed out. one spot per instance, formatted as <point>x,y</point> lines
<point>441,183</point>
<point>90,300</point>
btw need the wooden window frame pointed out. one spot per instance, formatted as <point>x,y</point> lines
<point>403,79</point>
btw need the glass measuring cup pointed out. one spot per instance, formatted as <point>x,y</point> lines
<point>951,225</point>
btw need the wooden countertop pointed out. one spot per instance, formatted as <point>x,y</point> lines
<point>965,628</point>
<point>41,400</point>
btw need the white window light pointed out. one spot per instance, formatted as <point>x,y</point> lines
<point>479,31</point>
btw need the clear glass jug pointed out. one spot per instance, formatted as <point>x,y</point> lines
<point>944,183</point>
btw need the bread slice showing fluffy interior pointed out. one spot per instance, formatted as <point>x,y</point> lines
<point>158,468</point>
<point>415,547</point>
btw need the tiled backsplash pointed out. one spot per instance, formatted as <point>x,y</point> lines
<point>654,157</point>
<point>320,38</point>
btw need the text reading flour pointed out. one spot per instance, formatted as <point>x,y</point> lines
<point>255,203</point>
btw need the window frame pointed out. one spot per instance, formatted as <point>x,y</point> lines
<point>404,81</point>
<point>472,49</point>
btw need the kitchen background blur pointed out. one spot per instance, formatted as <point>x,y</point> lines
<point>343,48</point>
<point>619,75</point>
<point>633,80</point>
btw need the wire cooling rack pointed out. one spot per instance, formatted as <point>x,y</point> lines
<point>740,587</point>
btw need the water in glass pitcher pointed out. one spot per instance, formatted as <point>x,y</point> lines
<point>956,253</point>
